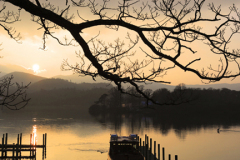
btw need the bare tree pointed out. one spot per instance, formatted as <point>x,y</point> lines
<point>13,95</point>
<point>166,29</point>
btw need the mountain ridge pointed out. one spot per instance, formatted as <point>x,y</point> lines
<point>26,78</point>
<point>23,77</point>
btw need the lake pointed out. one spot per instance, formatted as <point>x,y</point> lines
<point>76,138</point>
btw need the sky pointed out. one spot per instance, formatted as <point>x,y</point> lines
<point>49,61</point>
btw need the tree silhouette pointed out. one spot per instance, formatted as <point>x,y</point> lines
<point>13,95</point>
<point>166,30</point>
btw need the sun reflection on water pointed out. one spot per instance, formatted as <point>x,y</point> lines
<point>34,135</point>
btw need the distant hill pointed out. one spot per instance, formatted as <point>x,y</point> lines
<point>155,86</point>
<point>234,86</point>
<point>25,78</point>
<point>14,68</point>
<point>49,84</point>
<point>2,74</point>
<point>78,82</point>
<point>80,79</point>
<point>56,83</point>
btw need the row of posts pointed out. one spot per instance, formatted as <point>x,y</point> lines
<point>147,150</point>
<point>5,147</point>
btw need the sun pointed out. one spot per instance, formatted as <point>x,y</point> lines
<point>35,68</point>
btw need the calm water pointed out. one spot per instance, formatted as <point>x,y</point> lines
<point>75,138</point>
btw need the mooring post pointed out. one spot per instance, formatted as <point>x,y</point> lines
<point>146,151</point>
<point>20,138</point>
<point>6,142</point>
<point>43,153</point>
<point>145,145</point>
<point>154,150</point>
<point>30,144</point>
<point>140,142</point>
<point>163,153</point>
<point>17,150</point>
<point>45,140</point>
<point>150,153</point>
<point>145,139</point>
<point>13,150</point>
<point>45,145</point>
<point>2,144</point>
<point>6,139</point>
<point>147,142</point>
<point>176,157</point>
<point>169,157</point>
<point>142,149</point>
<point>17,147</point>
<point>158,151</point>
<point>20,147</point>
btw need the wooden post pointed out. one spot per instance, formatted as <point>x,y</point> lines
<point>30,144</point>
<point>43,153</point>
<point>150,154</point>
<point>145,140</point>
<point>6,141</point>
<point>158,151</point>
<point>20,138</point>
<point>154,150</point>
<point>147,149</point>
<point>17,150</point>
<point>13,150</point>
<point>163,153</point>
<point>2,144</point>
<point>20,144</point>
<point>169,157</point>
<point>176,157</point>
<point>140,142</point>
<point>143,149</point>
<point>45,145</point>
<point>45,140</point>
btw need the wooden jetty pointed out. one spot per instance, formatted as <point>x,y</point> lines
<point>149,151</point>
<point>16,149</point>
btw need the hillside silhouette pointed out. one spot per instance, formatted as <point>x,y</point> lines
<point>53,84</point>
<point>14,68</point>
<point>80,79</point>
<point>22,77</point>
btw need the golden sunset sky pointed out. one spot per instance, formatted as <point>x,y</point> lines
<point>28,53</point>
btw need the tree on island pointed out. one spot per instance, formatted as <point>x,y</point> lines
<point>165,34</point>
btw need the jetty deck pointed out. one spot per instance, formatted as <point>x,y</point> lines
<point>152,151</point>
<point>15,150</point>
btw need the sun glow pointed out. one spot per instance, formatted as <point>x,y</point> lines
<point>35,68</point>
